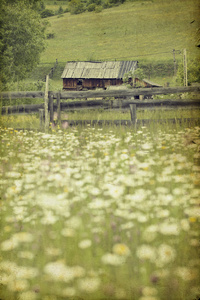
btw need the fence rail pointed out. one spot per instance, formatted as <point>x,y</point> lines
<point>106,99</point>
<point>118,93</point>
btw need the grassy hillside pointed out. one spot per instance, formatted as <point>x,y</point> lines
<point>135,30</point>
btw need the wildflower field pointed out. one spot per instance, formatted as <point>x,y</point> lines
<point>100,213</point>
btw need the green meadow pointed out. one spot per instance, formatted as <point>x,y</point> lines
<point>146,31</point>
<point>137,30</point>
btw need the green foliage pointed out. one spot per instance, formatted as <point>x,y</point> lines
<point>193,72</point>
<point>91,7</point>
<point>106,4</point>
<point>60,10</point>
<point>76,7</point>
<point>50,36</point>
<point>39,85</point>
<point>139,73</point>
<point>98,8</point>
<point>128,77</point>
<point>22,36</point>
<point>47,13</point>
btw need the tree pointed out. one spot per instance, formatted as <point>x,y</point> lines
<point>22,36</point>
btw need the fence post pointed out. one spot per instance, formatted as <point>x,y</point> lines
<point>46,100</point>
<point>41,115</point>
<point>58,108</point>
<point>51,107</point>
<point>133,113</point>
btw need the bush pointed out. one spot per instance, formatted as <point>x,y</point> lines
<point>47,13</point>
<point>96,2</point>
<point>106,4</point>
<point>50,36</point>
<point>91,7</point>
<point>76,7</point>
<point>60,10</point>
<point>98,9</point>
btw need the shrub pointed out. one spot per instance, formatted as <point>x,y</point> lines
<point>76,7</point>
<point>50,36</point>
<point>97,2</point>
<point>91,7</point>
<point>98,9</point>
<point>106,4</point>
<point>60,10</point>
<point>47,13</point>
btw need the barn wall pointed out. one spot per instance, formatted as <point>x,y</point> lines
<point>69,84</point>
<point>74,84</point>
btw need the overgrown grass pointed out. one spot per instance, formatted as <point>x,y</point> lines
<point>32,121</point>
<point>125,114</point>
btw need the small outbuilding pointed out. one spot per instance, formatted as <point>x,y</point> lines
<point>91,75</point>
<point>144,83</point>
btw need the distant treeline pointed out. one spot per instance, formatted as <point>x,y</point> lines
<point>79,6</point>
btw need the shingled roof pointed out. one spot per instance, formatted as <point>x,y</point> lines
<point>98,70</point>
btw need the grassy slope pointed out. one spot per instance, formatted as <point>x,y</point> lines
<point>134,30</point>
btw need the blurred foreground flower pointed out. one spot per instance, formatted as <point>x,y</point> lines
<point>166,254</point>
<point>89,285</point>
<point>85,244</point>
<point>121,249</point>
<point>113,259</point>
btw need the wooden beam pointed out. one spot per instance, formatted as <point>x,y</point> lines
<point>95,104</point>
<point>15,95</point>
<point>133,111</point>
<point>58,108</point>
<point>51,106</point>
<point>104,93</point>
<point>46,100</point>
<point>28,108</point>
<point>126,93</point>
<point>126,103</point>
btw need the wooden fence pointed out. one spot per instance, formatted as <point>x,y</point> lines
<point>106,99</point>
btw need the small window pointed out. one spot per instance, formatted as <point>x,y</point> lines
<point>80,82</point>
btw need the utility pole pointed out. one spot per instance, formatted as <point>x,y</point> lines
<point>174,62</point>
<point>185,67</point>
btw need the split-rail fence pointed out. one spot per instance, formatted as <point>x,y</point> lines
<point>106,99</point>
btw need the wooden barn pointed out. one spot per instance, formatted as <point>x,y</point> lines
<point>92,75</point>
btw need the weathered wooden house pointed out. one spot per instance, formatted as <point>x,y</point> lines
<point>92,75</point>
